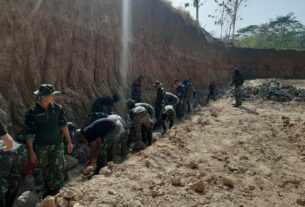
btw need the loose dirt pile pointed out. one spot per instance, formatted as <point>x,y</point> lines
<point>222,156</point>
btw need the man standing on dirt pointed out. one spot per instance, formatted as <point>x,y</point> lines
<point>159,103</point>
<point>189,92</point>
<point>44,124</point>
<point>238,81</point>
<point>136,89</point>
<point>180,92</point>
<point>212,91</point>
<point>169,115</point>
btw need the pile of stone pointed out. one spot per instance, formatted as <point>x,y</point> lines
<point>275,91</point>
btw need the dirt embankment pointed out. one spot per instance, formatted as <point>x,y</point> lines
<point>76,46</point>
<point>222,156</point>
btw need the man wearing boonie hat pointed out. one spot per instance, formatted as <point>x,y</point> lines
<point>44,123</point>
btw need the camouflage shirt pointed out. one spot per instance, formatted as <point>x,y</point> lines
<point>44,125</point>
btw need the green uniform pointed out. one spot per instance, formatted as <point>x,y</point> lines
<point>140,119</point>
<point>44,125</point>
<point>11,171</point>
<point>149,109</point>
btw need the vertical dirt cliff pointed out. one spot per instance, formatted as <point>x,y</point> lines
<point>76,45</point>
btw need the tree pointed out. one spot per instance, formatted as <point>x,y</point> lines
<point>197,4</point>
<point>281,33</point>
<point>230,9</point>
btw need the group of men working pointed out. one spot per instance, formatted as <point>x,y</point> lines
<point>47,133</point>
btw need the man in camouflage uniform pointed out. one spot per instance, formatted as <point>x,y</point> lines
<point>12,161</point>
<point>109,130</point>
<point>169,115</point>
<point>212,91</point>
<point>189,93</point>
<point>180,92</point>
<point>45,122</point>
<point>171,99</point>
<point>159,103</point>
<point>237,81</point>
<point>140,119</point>
<point>150,110</point>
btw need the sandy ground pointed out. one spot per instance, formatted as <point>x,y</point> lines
<point>222,156</point>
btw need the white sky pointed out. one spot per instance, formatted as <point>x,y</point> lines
<point>256,12</point>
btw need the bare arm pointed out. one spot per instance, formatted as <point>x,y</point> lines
<point>66,134</point>
<point>29,143</point>
<point>8,142</point>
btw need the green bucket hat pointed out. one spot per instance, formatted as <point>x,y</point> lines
<point>46,90</point>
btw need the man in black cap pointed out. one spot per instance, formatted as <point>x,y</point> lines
<point>44,124</point>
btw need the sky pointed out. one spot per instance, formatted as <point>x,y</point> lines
<point>256,12</point>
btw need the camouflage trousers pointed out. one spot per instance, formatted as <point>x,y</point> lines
<point>238,94</point>
<point>180,109</point>
<point>143,121</point>
<point>188,102</point>
<point>51,161</point>
<point>11,172</point>
<point>108,145</point>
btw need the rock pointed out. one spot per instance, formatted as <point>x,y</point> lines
<point>228,182</point>
<point>28,199</point>
<point>286,121</point>
<point>77,205</point>
<point>112,192</point>
<point>62,202</point>
<point>48,202</point>
<point>71,162</point>
<point>87,170</point>
<point>177,182</point>
<point>301,201</point>
<point>156,193</point>
<point>106,172</point>
<point>68,193</point>
<point>193,165</point>
<point>198,186</point>
<point>297,99</point>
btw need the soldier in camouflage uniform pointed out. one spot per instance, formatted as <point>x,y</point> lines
<point>44,124</point>
<point>109,130</point>
<point>12,161</point>
<point>159,102</point>
<point>150,110</point>
<point>180,92</point>
<point>171,99</point>
<point>169,115</point>
<point>140,119</point>
<point>237,81</point>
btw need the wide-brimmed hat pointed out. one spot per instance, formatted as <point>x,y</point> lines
<point>46,90</point>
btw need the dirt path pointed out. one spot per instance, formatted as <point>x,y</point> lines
<point>222,156</point>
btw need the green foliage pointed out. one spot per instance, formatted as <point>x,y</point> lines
<point>283,32</point>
